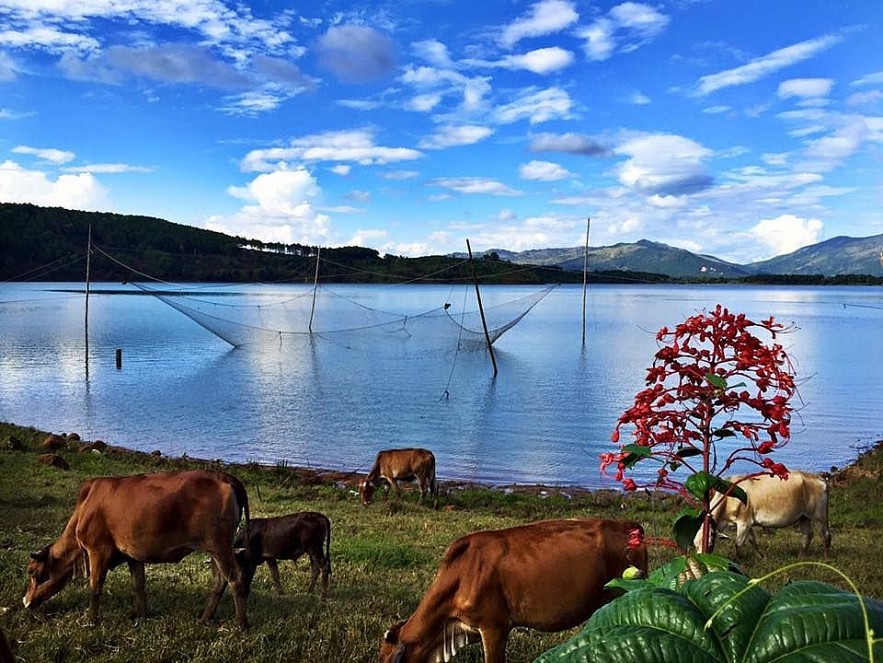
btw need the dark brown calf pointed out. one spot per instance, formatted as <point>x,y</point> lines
<point>548,576</point>
<point>286,537</point>
<point>394,465</point>
<point>145,519</point>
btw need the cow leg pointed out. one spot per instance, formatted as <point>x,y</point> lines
<point>136,569</point>
<point>316,568</point>
<point>493,640</point>
<point>325,563</point>
<point>806,527</point>
<point>826,537</point>
<point>274,572</point>
<point>226,571</point>
<point>98,567</point>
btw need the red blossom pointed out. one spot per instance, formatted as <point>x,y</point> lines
<point>688,403</point>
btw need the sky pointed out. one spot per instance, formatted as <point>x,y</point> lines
<point>741,129</point>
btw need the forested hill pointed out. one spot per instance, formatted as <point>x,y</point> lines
<point>50,243</point>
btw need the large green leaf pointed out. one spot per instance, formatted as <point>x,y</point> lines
<point>649,625</point>
<point>806,622</point>
<point>813,621</point>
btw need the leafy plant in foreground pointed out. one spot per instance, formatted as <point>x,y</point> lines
<point>701,608</point>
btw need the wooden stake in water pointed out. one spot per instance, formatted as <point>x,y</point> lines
<point>586,276</point>
<point>88,267</point>
<point>315,286</point>
<point>487,336</point>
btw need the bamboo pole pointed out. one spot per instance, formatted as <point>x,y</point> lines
<point>586,276</point>
<point>487,336</point>
<point>315,287</point>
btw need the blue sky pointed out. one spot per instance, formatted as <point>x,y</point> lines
<point>741,129</point>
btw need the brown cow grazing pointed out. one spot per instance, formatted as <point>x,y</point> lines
<point>394,465</point>
<point>548,576</point>
<point>145,519</point>
<point>286,537</point>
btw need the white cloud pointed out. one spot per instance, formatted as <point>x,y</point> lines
<point>540,61</point>
<point>805,87</point>
<point>763,66</point>
<point>7,68</point>
<point>342,169</point>
<point>544,18</point>
<point>864,98</point>
<point>82,191</point>
<point>357,146</point>
<point>639,99</point>
<point>536,107</point>
<point>107,168</point>
<point>664,164</point>
<point>50,155</point>
<point>544,171</point>
<point>424,102</point>
<point>434,52</point>
<point>626,27</point>
<point>787,233</point>
<point>568,143</point>
<point>474,185</point>
<point>871,79</point>
<point>451,136</point>
<point>281,210</point>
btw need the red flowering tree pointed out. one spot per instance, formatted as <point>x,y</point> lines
<point>707,370</point>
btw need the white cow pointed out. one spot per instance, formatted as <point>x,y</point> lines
<point>801,499</point>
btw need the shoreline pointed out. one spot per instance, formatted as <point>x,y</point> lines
<point>350,480</point>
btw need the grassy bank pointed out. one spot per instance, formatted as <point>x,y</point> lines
<point>383,559</point>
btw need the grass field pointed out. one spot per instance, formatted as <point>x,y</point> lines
<point>383,559</point>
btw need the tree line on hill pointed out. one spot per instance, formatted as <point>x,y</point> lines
<point>51,244</point>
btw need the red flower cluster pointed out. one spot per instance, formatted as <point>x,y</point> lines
<point>707,369</point>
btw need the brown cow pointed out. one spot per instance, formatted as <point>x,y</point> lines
<point>548,576</point>
<point>286,537</point>
<point>394,465</point>
<point>147,518</point>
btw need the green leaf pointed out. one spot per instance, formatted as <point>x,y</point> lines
<point>716,380</point>
<point>686,525</point>
<point>722,486</point>
<point>637,449</point>
<point>699,483</point>
<point>686,452</point>
<point>723,432</point>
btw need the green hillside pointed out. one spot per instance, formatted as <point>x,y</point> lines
<point>50,243</point>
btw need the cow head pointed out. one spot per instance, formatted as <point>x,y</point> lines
<point>48,574</point>
<point>366,492</point>
<point>391,650</point>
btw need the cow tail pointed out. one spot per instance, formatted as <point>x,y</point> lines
<point>242,499</point>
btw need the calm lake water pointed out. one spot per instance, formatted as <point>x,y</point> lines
<point>332,401</point>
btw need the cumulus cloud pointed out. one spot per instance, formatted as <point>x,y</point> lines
<point>787,233</point>
<point>540,61</point>
<point>544,18</point>
<point>536,107</point>
<point>451,136</point>
<point>281,209</point>
<point>765,65</point>
<point>356,53</point>
<point>664,164</point>
<point>544,171</point>
<point>626,27</point>
<point>19,185</point>
<point>433,52</point>
<point>357,146</point>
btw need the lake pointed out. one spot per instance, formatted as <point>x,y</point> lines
<point>333,398</point>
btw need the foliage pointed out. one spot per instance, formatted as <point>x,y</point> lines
<point>720,616</point>
<point>708,368</point>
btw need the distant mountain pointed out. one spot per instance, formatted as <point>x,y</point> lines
<point>840,255</point>
<point>833,257</point>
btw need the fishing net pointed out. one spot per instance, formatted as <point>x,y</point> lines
<point>268,316</point>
